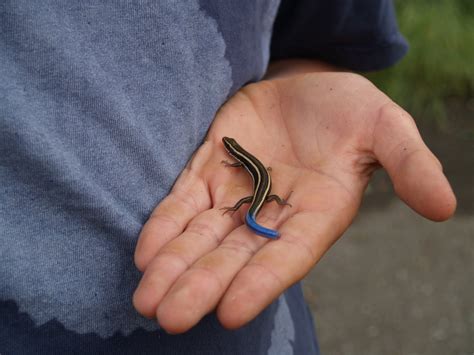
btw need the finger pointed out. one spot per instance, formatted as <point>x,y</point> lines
<point>188,197</point>
<point>208,278</point>
<point>305,237</point>
<point>416,173</point>
<point>197,291</point>
<point>203,234</point>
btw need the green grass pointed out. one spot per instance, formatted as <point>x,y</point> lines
<point>439,64</point>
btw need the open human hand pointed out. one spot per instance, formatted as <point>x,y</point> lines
<point>323,135</point>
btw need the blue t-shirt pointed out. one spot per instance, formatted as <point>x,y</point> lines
<point>101,105</point>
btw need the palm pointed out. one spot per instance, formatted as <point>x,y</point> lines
<point>318,146</point>
<point>322,135</point>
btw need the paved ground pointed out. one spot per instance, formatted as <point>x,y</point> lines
<point>396,283</point>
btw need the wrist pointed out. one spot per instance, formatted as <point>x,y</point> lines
<point>288,67</point>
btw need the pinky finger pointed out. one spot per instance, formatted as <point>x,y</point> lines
<point>188,198</point>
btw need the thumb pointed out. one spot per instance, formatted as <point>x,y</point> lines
<point>416,174</point>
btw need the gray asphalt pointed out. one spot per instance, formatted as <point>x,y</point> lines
<point>397,284</point>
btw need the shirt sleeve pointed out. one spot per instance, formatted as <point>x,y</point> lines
<point>358,35</point>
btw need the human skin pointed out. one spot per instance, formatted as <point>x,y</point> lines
<point>323,132</point>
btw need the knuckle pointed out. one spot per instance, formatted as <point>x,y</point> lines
<point>169,258</point>
<point>307,254</point>
<point>210,276</point>
<point>390,113</point>
<point>185,199</point>
<point>203,230</point>
<point>239,246</point>
<point>166,219</point>
<point>266,273</point>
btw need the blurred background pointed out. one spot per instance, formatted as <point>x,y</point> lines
<point>396,283</point>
